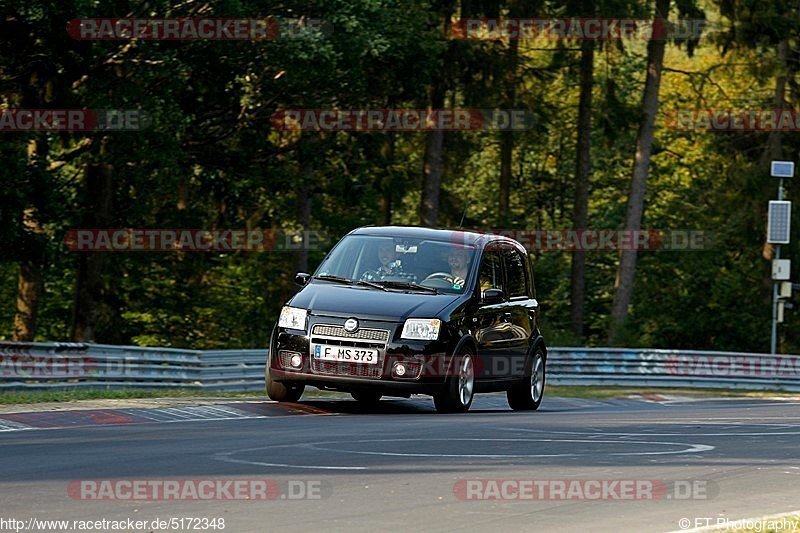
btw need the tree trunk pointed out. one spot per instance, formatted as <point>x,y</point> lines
<point>507,136</point>
<point>580,215</point>
<point>89,283</point>
<point>506,153</point>
<point>304,214</point>
<point>29,291</point>
<point>387,202</point>
<point>432,166</point>
<point>387,183</point>
<point>30,282</point>
<point>774,141</point>
<point>432,162</point>
<point>644,143</point>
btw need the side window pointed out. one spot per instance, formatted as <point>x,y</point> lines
<point>515,273</point>
<point>490,275</point>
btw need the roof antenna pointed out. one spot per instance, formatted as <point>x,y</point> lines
<point>461,224</point>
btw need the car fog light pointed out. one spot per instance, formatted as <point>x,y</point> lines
<point>400,369</point>
<point>297,360</point>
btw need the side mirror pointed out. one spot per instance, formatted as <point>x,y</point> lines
<point>492,296</point>
<point>301,278</point>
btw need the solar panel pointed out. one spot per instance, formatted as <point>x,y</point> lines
<point>779,221</point>
<point>782,169</point>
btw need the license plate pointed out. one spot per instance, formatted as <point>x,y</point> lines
<point>344,354</point>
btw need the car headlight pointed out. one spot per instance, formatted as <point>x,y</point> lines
<point>292,317</point>
<point>426,329</point>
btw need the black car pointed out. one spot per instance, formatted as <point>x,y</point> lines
<point>395,311</point>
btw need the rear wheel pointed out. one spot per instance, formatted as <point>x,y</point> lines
<point>456,397</point>
<point>527,393</point>
<point>283,392</point>
<point>366,398</point>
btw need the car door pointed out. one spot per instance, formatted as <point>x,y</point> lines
<point>519,310</point>
<point>490,323</point>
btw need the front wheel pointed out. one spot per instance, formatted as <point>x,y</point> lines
<point>527,393</point>
<point>282,392</point>
<point>456,397</point>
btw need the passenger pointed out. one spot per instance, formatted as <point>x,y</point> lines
<point>390,265</point>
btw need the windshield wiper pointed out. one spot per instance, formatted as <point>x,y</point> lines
<point>371,284</point>
<point>383,285</point>
<point>337,279</point>
<point>409,285</point>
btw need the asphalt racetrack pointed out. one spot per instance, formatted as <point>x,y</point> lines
<point>403,467</point>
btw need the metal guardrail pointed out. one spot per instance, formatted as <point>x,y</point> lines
<point>673,368</point>
<point>73,365</point>
<point>102,366</point>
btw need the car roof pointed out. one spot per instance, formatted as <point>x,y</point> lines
<point>455,236</point>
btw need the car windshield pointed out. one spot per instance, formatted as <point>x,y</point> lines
<point>399,263</point>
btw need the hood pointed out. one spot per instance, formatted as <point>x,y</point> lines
<point>330,299</point>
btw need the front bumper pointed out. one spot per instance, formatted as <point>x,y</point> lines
<point>427,362</point>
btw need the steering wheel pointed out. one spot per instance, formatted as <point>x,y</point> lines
<point>439,280</point>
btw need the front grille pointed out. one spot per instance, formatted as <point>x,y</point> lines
<point>362,338</point>
<point>347,369</point>
<point>380,335</point>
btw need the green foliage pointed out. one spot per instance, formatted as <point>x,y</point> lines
<point>212,159</point>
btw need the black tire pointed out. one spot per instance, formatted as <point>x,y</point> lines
<point>527,393</point>
<point>283,392</point>
<point>454,397</point>
<point>366,398</point>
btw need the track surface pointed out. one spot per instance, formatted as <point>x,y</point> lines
<point>396,468</point>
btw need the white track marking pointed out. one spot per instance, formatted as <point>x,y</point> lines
<point>680,434</point>
<point>228,456</point>
<point>5,425</point>
<point>175,414</point>
<point>692,448</point>
<point>9,425</point>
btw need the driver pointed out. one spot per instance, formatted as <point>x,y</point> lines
<point>459,265</point>
<point>390,265</point>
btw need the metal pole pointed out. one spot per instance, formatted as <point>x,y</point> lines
<point>773,345</point>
